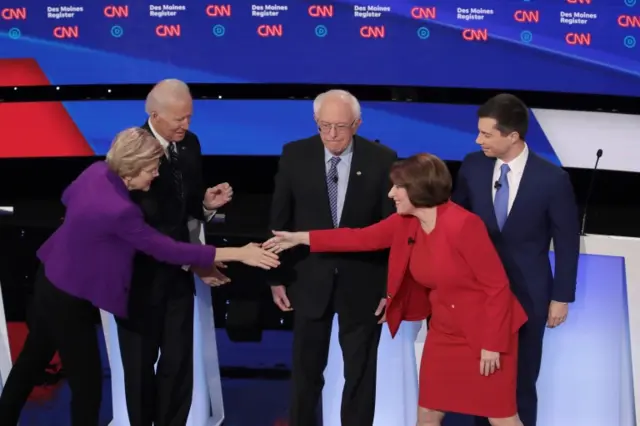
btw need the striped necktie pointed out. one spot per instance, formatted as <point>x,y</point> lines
<point>332,188</point>
<point>176,174</point>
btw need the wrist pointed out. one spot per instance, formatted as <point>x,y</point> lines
<point>303,238</point>
<point>230,254</point>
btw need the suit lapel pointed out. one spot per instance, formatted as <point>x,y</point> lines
<point>356,180</point>
<point>318,178</point>
<point>526,187</point>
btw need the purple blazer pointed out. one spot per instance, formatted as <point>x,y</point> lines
<point>90,255</point>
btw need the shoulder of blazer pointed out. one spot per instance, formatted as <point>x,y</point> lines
<point>192,139</point>
<point>105,198</point>
<point>474,158</point>
<point>546,167</point>
<point>374,148</point>
<point>301,146</point>
<point>455,218</point>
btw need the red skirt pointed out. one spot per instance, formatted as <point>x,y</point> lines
<point>450,379</point>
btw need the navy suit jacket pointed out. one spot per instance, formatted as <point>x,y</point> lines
<point>544,210</point>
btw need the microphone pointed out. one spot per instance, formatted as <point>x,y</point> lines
<point>411,241</point>
<point>589,192</point>
<point>335,179</point>
<point>497,184</point>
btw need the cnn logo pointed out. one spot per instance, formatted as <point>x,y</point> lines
<point>13,13</point>
<point>116,11</point>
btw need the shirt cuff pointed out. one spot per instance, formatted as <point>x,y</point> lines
<point>208,214</point>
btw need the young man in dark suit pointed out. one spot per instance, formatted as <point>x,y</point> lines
<point>526,203</point>
<point>161,301</point>
<point>335,179</point>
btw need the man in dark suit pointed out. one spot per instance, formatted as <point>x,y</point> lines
<point>525,202</point>
<point>336,179</point>
<point>161,301</point>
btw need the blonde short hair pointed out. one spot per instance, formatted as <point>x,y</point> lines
<point>132,150</point>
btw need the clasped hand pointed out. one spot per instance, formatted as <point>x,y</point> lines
<point>217,196</point>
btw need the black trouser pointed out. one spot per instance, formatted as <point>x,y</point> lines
<point>60,322</point>
<point>161,397</point>
<point>359,343</point>
<point>530,340</point>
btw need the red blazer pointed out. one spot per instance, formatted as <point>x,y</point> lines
<point>476,289</point>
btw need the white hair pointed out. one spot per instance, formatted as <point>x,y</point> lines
<point>165,92</point>
<point>342,95</point>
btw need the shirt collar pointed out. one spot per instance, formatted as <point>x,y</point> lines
<point>163,141</point>
<point>516,166</point>
<point>346,154</point>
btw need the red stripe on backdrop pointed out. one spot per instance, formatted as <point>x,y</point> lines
<point>22,72</point>
<point>17,335</point>
<point>36,129</point>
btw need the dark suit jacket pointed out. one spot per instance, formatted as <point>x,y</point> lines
<point>91,254</point>
<point>544,210</point>
<point>164,211</point>
<point>472,284</point>
<point>301,203</point>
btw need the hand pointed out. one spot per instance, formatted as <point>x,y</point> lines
<point>279,294</point>
<point>217,196</point>
<point>489,362</point>
<point>558,312</point>
<point>282,241</point>
<point>212,276</point>
<point>253,255</point>
<point>382,311</point>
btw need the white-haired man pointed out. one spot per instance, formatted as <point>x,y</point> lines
<point>161,303</point>
<point>334,179</point>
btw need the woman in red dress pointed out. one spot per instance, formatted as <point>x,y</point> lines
<point>442,265</point>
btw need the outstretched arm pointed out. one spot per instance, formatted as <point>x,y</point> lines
<point>375,237</point>
<point>378,236</point>
<point>131,228</point>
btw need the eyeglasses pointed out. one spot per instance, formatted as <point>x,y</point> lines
<point>340,127</point>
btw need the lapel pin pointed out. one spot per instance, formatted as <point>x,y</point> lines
<point>358,172</point>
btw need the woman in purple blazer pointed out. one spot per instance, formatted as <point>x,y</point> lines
<point>87,263</point>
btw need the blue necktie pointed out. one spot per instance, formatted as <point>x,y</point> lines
<point>332,188</point>
<point>501,201</point>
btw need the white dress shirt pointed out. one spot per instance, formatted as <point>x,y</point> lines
<point>516,169</point>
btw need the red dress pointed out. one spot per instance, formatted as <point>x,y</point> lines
<point>450,378</point>
<point>455,275</point>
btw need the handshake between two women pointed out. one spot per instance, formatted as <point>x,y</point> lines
<point>251,254</point>
<point>264,256</point>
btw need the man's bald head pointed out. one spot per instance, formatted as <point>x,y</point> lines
<point>169,106</point>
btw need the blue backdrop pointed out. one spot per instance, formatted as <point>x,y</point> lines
<point>568,46</point>
<point>241,127</point>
